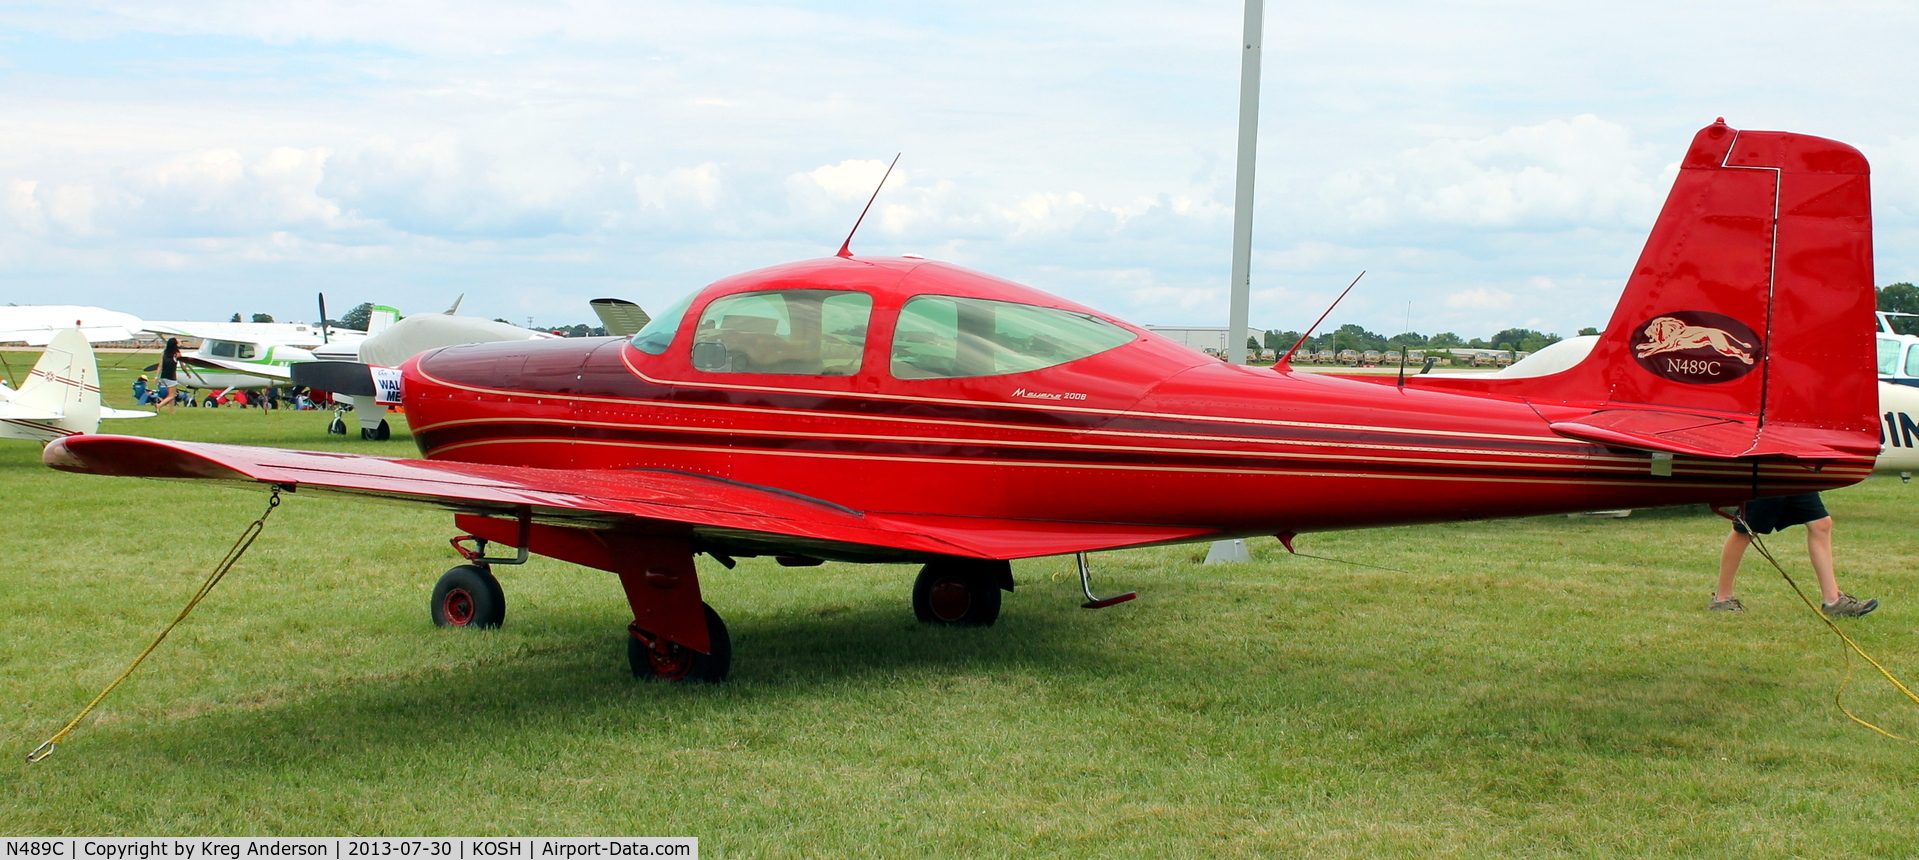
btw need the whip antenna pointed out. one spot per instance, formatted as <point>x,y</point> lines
<point>1286,360</point>
<point>846,247</point>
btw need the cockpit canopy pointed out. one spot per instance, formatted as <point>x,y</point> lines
<point>939,322</point>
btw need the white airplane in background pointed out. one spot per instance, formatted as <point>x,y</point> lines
<point>256,355</point>
<point>61,396</point>
<point>231,353</point>
<point>345,376</point>
<point>36,325</point>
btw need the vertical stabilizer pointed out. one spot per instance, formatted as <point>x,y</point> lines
<point>382,316</point>
<point>1752,299</point>
<point>62,391</point>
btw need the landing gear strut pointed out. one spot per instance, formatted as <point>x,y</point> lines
<point>656,659</point>
<point>961,592</point>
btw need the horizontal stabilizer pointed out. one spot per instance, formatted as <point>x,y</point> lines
<point>110,412</point>
<point>1695,435</point>
<point>712,509</point>
<point>16,412</point>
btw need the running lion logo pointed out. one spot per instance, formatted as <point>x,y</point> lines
<point>1697,347</point>
<point>1670,334</point>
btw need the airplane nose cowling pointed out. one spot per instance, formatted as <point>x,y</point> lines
<point>544,366</point>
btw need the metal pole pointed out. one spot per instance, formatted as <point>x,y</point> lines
<point>1243,191</point>
<point>1227,551</point>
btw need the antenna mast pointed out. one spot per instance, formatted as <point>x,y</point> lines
<point>846,247</point>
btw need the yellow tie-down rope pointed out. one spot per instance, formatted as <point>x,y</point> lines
<point>238,549</point>
<point>1846,652</point>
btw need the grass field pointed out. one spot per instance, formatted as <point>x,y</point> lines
<point>1539,687</point>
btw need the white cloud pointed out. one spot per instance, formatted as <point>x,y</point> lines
<point>698,185</point>
<point>1579,172</point>
<point>589,147</point>
<point>854,179</point>
<point>1481,299</point>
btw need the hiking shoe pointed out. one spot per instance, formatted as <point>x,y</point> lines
<point>1730,604</point>
<point>1848,606</point>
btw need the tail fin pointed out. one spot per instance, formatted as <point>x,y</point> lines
<point>383,316</point>
<point>63,391</point>
<point>1746,326</point>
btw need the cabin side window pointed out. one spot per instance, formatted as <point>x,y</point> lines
<point>1888,356</point>
<point>229,349</point>
<point>806,332</point>
<point>1912,362</point>
<point>946,337</point>
<point>658,333</point>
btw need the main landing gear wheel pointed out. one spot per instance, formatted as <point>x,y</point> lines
<point>336,427</point>
<point>468,596</point>
<point>957,593</point>
<point>656,659</point>
<point>377,434</point>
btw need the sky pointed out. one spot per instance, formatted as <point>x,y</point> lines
<point>1488,164</point>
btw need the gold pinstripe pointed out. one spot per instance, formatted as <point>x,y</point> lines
<point>1103,466</point>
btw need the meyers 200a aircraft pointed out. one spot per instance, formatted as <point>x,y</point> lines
<point>897,410</point>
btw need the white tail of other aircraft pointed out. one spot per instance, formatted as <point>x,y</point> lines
<point>61,397</point>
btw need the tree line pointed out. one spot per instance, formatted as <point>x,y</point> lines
<point>1355,336</point>
<point>1902,297</point>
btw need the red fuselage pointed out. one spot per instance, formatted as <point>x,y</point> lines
<point>1148,432</point>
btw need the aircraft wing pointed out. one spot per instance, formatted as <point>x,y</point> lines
<point>37,324</point>
<point>715,509</point>
<point>251,368</point>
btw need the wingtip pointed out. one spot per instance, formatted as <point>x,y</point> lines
<point>59,456</point>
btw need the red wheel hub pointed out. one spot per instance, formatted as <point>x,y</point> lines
<point>670,661</point>
<point>949,599</point>
<point>457,606</point>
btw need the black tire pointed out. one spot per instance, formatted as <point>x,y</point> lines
<point>680,663</point>
<point>377,434</point>
<point>957,593</point>
<point>468,596</point>
<point>336,427</point>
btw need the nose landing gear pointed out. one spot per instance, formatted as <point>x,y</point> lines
<point>468,596</point>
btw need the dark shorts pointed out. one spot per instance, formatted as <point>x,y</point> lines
<point>1770,515</point>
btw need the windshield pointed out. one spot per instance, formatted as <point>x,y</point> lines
<point>1901,323</point>
<point>658,334</point>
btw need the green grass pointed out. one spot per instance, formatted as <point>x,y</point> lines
<point>1539,687</point>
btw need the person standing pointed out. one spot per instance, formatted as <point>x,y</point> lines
<point>170,373</point>
<point>1766,516</point>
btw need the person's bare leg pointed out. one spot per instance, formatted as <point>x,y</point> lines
<point>1729,558</point>
<point>1819,547</point>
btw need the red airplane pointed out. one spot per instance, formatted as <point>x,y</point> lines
<point>897,410</point>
